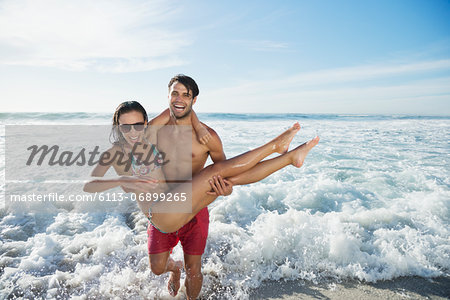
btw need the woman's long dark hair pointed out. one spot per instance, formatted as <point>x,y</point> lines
<point>124,107</point>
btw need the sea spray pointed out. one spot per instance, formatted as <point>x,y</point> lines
<point>370,203</point>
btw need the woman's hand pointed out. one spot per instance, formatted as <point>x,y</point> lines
<point>203,134</point>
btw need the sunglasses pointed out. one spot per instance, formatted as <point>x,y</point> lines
<point>127,127</point>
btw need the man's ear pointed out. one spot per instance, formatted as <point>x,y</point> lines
<point>193,100</point>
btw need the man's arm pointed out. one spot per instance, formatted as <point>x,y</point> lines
<point>219,185</point>
<point>215,146</point>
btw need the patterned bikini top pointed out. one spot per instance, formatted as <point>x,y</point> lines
<point>142,169</point>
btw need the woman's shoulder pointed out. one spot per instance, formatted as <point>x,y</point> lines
<point>113,156</point>
<point>113,152</point>
<point>115,148</point>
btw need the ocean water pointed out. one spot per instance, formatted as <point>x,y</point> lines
<point>370,203</point>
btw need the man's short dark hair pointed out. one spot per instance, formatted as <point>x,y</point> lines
<point>188,82</point>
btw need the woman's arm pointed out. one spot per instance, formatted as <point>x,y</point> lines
<point>100,185</point>
<point>128,183</point>
<point>203,134</point>
<point>161,119</point>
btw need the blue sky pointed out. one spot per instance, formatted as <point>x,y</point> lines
<point>358,57</point>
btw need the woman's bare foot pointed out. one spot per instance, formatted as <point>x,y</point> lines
<point>299,153</point>
<point>281,142</point>
<point>174,279</point>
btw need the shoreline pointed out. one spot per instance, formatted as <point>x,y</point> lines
<point>413,287</point>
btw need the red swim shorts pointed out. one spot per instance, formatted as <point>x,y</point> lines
<point>193,236</point>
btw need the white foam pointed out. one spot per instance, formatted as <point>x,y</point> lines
<point>371,202</point>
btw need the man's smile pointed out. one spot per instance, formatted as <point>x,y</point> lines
<point>179,107</point>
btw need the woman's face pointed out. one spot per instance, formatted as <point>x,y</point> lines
<point>132,134</point>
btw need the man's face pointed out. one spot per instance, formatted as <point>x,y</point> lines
<point>180,100</point>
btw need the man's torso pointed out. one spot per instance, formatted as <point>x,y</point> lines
<point>186,155</point>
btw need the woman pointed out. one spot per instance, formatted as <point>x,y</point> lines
<point>129,122</point>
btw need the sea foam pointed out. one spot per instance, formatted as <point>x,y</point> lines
<point>370,203</point>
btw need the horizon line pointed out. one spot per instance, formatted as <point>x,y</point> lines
<point>241,113</point>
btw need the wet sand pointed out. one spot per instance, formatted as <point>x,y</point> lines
<point>400,288</point>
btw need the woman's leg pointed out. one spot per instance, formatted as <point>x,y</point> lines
<point>173,221</point>
<point>247,160</point>
<point>263,169</point>
<point>163,215</point>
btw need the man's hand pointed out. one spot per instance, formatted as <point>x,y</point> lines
<point>220,186</point>
<point>139,183</point>
<point>203,134</point>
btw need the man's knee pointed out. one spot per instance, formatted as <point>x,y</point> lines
<point>194,270</point>
<point>158,266</point>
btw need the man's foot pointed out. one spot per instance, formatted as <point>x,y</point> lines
<point>281,143</point>
<point>299,153</point>
<point>174,279</point>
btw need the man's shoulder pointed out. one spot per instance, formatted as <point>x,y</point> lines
<point>211,131</point>
<point>214,144</point>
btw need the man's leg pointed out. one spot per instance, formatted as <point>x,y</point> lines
<point>193,237</point>
<point>162,263</point>
<point>194,277</point>
<point>159,247</point>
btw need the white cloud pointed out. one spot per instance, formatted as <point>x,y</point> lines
<point>352,89</point>
<point>365,72</point>
<point>351,94</point>
<point>103,35</point>
<point>262,45</point>
<point>348,75</point>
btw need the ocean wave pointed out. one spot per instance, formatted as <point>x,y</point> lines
<point>371,203</point>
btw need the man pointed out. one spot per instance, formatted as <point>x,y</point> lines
<point>183,92</point>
